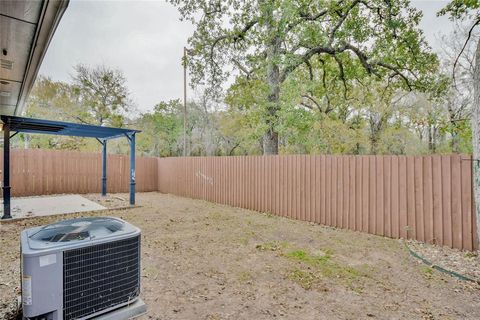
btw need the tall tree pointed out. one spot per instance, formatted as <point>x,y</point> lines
<point>470,10</point>
<point>103,93</point>
<point>271,39</point>
<point>163,128</point>
<point>56,100</point>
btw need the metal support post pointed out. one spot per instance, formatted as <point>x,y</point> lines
<point>6,172</point>
<point>104,167</point>
<point>132,169</point>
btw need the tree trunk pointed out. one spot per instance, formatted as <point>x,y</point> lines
<point>373,144</point>
<point>376,126</point>
<point>455,144</point>
<point>270,138</point>
<point>476,136</point>
<point>432,141</point>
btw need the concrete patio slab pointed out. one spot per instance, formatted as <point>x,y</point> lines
<point>51,205</point>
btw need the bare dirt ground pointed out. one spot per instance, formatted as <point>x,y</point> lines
<point>206,261</point>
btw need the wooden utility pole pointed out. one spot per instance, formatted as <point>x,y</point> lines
<point>184,101</point>
<point>476,136</point>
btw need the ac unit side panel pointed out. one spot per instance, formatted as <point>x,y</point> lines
<point>42,285</point>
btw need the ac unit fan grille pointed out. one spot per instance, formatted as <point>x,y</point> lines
<point>99,277</point>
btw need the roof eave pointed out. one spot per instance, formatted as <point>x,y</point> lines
<point>52,12</point>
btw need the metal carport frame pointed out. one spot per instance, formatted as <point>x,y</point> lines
<point>30,125</point>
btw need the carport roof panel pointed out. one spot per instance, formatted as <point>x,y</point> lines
<point>30,125</point>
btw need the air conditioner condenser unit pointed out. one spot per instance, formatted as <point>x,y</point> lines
<point>80,268</point>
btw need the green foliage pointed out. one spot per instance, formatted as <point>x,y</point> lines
<point>458,9</point>
<point>243,123</point>
<point>291,50</point>
<point>399,141</point>
<point>324,266</point>
<point>162,130</point>
<point>103,93</point>
<point>330,77</point>
<point>58,101</point>
<point>331,136</point>
<point>320,127</point>
<point>97,96</point>
<point>326,28</point>
<point>303,256</point>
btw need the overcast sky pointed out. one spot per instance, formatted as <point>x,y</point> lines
<point>145,40</point>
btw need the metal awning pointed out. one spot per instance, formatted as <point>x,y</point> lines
<point>33,126</point>
<point>30,125</point>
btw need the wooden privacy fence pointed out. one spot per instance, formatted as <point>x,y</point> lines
<point>39,172</point>
<point>428,198</point>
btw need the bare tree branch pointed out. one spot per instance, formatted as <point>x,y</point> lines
<point>309,17</point>
<point>310,70</point>
<point>342,75</point>
<point>463,48</point>
<point>324,83</point>
<point>397,72</point>
<point>310,98</point>
<point>242,68</point>
<point>236,36</point>
<point>342,19</point>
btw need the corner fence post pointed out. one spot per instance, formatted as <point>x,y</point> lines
<point>104,167</point>
<point>132,169</point>
<point>6,172</point>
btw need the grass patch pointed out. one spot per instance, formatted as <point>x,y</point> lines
<point>311,268</point>
<point>427,272</point>
<point>322,265</point>
<point>269,214</point>
<point>218,216</point>
<point>471,255</point>
<point>243,240</point>
<point>245,277</point>
<point>271,246</point>
<point>303,256</point>
<point>307,279</point>
<point>304,279</point>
